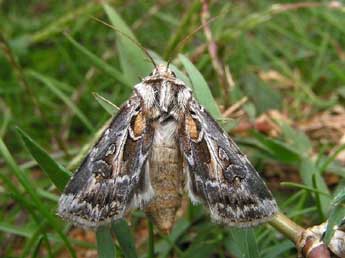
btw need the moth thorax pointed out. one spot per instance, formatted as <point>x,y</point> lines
<point>166,178</point>
<point>165,96</point>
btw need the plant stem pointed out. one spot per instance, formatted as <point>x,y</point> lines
<point>287,227</point>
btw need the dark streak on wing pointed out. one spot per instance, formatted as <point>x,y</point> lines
<point>221,177</point>
<point>83,173</point>
<point>108,179</point>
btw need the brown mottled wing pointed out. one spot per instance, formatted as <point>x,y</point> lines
<point>219,175</point>
<point>113,177</point>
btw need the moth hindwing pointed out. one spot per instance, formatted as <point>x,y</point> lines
<point>162,141</point>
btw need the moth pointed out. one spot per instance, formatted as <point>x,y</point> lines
<point>161,142</point>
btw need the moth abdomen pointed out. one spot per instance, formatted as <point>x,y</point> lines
<point>166,177</point>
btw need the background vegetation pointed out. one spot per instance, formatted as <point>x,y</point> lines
<point>277,70</point>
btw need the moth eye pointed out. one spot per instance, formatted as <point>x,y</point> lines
<point>151,73</point>
<point>173,74</point>
<point>192,113</point>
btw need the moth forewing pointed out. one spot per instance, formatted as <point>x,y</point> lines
<point>139,160</point>
<point>108,180</point>
<point>219,175</point>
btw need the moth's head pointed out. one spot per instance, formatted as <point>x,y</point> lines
<point>162,93</point>
<point>162,71</point>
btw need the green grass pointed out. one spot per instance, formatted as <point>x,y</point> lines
<point>63,73</point>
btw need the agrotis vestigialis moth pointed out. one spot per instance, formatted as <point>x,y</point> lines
<point>161,142</point>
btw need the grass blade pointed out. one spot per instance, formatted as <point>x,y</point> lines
<point>151,241</point>
<point>105,245</point>
<point>201,90</point>
<point>278,150</point>
<point>336,216</point>
<point>125,238</point>
<point>16,230</point>
<point>133,60</point>
<point>57,173</point>
<point>106,104</point>
<point>51,85</point>
<point>41,207</point>
<point>243,242</point>
<point>164,246</point>
<point>99,63</point>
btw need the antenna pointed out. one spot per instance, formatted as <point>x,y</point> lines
<point>181,44</point>
<point>128,37</point>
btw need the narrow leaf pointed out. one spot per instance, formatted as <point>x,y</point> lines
<point>243,243</point>
<point>278,149</point>
<point>106,104</point>
<point>337,215</point>
<point>56,172</point>
<point>201,90</point>
<point>51,85</point>
<point>164,246</point>
<point>105,245</point>
<point>99,63</point>
<point>134,61</point>
<point>33,194</point>
<point>312,178</point>
<point>125,238</point>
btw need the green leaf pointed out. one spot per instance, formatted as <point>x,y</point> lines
<point>134,61</point>
<point>105,245</point>
<point>99,63</point>
<point>277,149</point>
<point>242,243</point>
<point>164,246</point>
<point>297,140</point>
<point>41,207</point>
<point>200,88</point>
<point>309,189</point>
<point>202,249</point>
<point>15,230</point>
<point>278,250</point>
<point>51,84</point>
<point>36,235</point>
<point>125,238</point>
<point>324,165</point>
<point>151,241</point>
<point>312,178</point>
<point>56,172</point>
<point>336,216</point>
<point>111,108</point>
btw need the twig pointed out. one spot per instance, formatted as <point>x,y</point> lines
<point>295,6</point>
<point>234,107</point>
